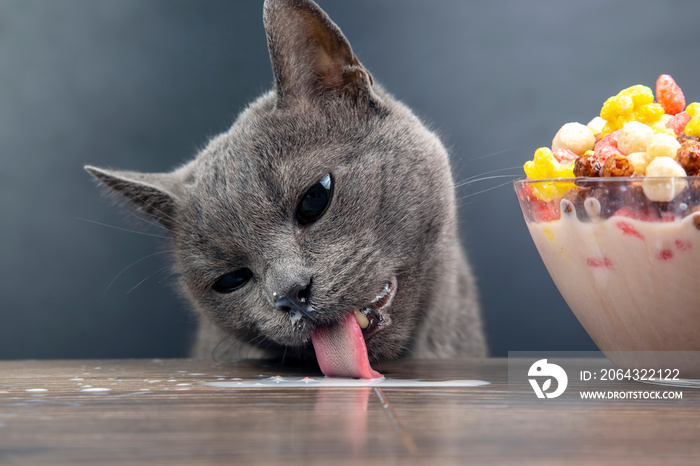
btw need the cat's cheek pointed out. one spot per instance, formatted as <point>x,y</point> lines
<point>385,346</point>
<point>395,340</point>
<point>223,310</point>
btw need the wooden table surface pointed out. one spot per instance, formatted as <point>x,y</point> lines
<point>171,411</point>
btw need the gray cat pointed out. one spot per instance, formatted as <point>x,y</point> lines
<point>326,212</point>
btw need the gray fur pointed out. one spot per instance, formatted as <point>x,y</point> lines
<point>393,211</point>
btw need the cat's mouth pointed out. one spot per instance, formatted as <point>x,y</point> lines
<point>341,348</point>
<point>372,317</point>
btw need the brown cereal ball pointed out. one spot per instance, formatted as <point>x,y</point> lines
<point>684,137</point>
<point>587,165</point>
<point>617,165</point>
<point>689,157</point>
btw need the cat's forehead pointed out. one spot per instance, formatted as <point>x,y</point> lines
<point>259,172</point>
<point>270,164</point>
<point>277,151</point>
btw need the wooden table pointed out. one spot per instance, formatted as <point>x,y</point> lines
<point>191,412</point>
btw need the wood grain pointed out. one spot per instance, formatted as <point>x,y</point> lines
<point>160,412</point>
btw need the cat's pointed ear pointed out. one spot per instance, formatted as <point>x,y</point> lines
<point>310,57</point>
<point>155,194</point>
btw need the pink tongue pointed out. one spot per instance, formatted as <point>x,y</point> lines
<point>341,350</point>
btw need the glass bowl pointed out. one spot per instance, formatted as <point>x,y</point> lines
<point>625,255</point>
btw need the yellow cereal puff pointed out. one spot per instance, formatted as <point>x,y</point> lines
<point>635,103</point>
<point>693,126</point>
<point>545,166</point>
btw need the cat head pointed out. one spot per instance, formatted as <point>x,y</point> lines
<point>325,197</point>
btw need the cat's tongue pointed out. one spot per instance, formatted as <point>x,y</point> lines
<point>341,350</point>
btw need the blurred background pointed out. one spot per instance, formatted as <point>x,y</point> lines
<point>142,85</point>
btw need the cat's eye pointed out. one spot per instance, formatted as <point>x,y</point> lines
<point>315,201</point>
<point>232,281</point>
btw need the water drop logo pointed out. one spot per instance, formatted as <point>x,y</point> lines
<point>542,368</point>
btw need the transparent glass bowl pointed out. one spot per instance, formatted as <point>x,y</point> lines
<point>627,266</point>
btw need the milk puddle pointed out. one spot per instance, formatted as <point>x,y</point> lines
<point>339,382</point>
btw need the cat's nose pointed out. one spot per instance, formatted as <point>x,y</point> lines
<point>296,300</point>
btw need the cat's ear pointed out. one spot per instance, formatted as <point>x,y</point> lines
<point>155,194</point>
<point>310,57</point>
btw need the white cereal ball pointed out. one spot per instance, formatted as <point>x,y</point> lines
<point>634,137</point>
<point>657,186</point>
<point>663,145</point>
<point>576,137</point>
<point>639,161</point>
<point>596,125</point>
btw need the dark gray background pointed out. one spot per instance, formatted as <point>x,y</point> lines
<point>143,84</point>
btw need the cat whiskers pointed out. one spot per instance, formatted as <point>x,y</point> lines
<point>122,229</point>
<point>462,198</point>
<point>147,220</point>
<point>150,275</point>
<point>172,272</point>
<point>249,344</point>
<point>143,233</point>
<point>492,154</point>
<point>482,176</point>
<point>227,338</point>
<point>284,354</point>
<point>257,343</point>
<point>133,264</point>
<point>487,176</point>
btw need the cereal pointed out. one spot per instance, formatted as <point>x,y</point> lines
<point>596,125</point>
<point>693,109</point>
<point>684,137</point>
<point>664,166</point>
<point>661,125</point>
<point>575,137</point>
<point>662,145</point>
<point>635,103</point>
<point>587,165</point>
<point>617,165</point>
<point>607,147</point>
<point>634,137</point>
<point>564,156</point>
<point>545,166</point>
<point>677,123</point>
<point>639,161</point>
<point>689,157</point>
<point>669,95</point>
<point>542,165</point>
<point>693,126</point>
<point>664,189</point>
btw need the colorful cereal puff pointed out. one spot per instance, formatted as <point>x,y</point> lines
<point>669,95</point>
